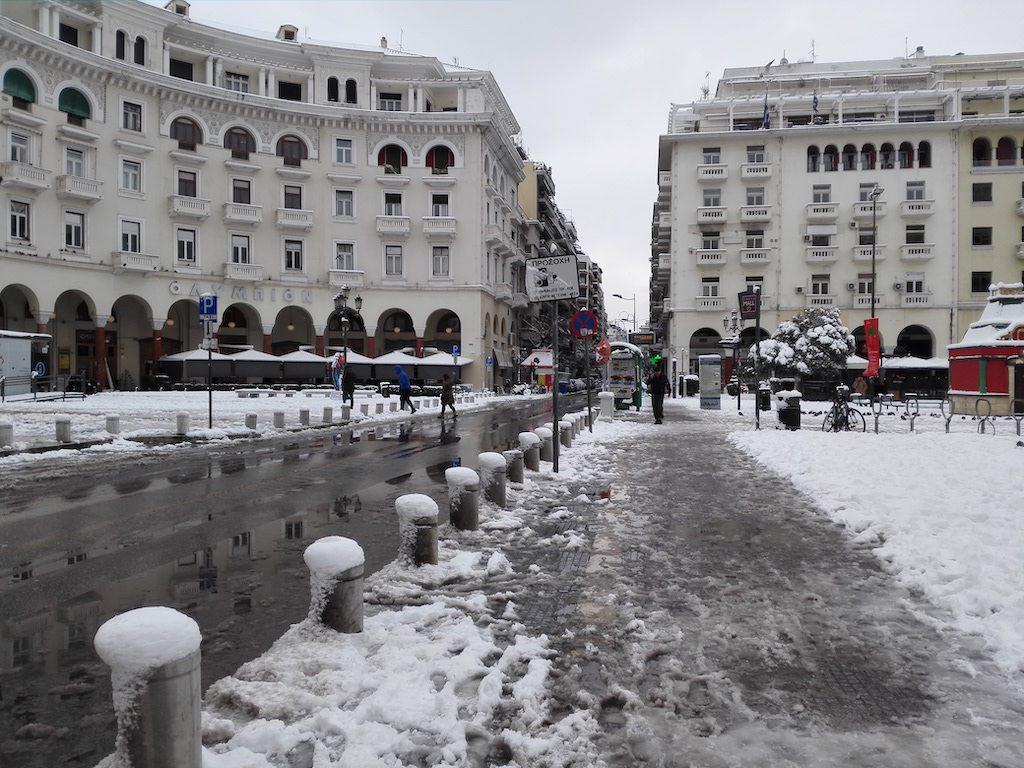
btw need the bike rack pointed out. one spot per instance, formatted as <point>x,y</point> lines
<point>987,418</point>
<point>951,406</point>
<point>876,410</point>
<point>917,410</point>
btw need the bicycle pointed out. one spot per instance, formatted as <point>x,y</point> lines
<point>842,418</point>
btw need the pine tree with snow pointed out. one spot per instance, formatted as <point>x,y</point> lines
<point>814,343</point>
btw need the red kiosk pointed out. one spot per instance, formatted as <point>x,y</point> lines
<point>989,361</point>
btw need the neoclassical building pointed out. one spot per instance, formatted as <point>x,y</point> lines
<point>148,158</point>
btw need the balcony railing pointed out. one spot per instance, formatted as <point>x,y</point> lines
<point>755,213</point>
<point>716,172</point>
<point>127,261</point>
<point>820,300</point>
<point>23,175</point>
<point>755,170</point>
<point>919,252</point>
<point>439,226</point>
<point>916,299</point>
<point>519,300</point>
<point>911,209</point>
<point>393,225</point>
<point>664,264</point>
<point>822,211</point>
<point>294,218</point>
<point>665,221</point>
<point>336,278</point>
<point>242,213</point>
<point>191,207</point>
<point>710,257</point>
<point>665,179</point>
<point>79,188</point>
<point>864,300</point>
<point>821,254</point>
<point>503,291</point>
<point>247,272</point>
<point>1020,207</point>
<point>863,252</point>
<point>711,214</point>
<point>862,210</point>
<point>754,256</point>
<point>709,303</point>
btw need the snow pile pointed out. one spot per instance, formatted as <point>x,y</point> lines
<point>943,511</point>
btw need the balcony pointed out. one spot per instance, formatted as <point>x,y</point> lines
<point>503,291</point>
<point>755,171</point>
<point>863,252</point>
<point>393,225</point>
<point>1020,250</point>
<point>665,221</point>
<point>916,299</point>
<point>708,303</point>
<point>863,300</point>
<point>709,257</point>
<point>918,252</point>
<point>754,213</point>
<point>241,213</point>
<point>244,272</point>
<point>665,181</point>
<point>23,176</point>
<point>717,172</point>
<point>519,300</point>
<point>862,210</point>
<point>711,214</point>
<point>78,188</point>
<point>664,265</point>
<point>188,207</point>
<point>1020,207</point>
<point>822,211</point>
<point>754,256</point>
<point>821,254</point>
<point>126,261</point>
<point>913,209</point>
<point>295,218</point>
<point>337,278</point>
<point>820,300</point>
<point>439,226</point>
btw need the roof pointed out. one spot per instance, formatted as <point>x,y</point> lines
<point>255,356</point>
<point>541,356</point>
<point>914,363</point>
<point>25,335</point>
<point>303,356</point>
<point>1005,309</point>
<point>197,354</point>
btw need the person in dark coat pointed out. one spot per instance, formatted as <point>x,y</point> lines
<point>658,385</point>
<point>447,396</point>
<point>348,386</point>
<point>404,389</point>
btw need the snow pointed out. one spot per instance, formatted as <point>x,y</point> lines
<point>527,440</point>
<point>331,555</point>
<point>491,461</point>
<point>543,433</point>
<point>461,476</point>
<point>146,638</point>
<point>416,507</point>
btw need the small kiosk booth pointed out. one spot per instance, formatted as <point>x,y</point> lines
<point>989,362</point>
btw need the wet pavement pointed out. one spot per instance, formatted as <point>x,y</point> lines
<point>217,532</point>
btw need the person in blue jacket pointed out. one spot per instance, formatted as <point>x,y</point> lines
<point>404,388</point>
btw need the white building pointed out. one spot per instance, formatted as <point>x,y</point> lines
<point>148,158</point>
<point>786,206</point>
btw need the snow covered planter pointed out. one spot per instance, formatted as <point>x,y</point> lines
<point>336,583</point>
<point>463,498</point>
<point>492,476</point>
<point>153,655</point>
<point>417,529</point>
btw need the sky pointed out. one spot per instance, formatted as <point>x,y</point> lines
<point>591,81</point>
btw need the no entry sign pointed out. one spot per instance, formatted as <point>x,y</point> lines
<point>583,324</point>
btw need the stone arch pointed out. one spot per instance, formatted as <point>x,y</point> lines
<point>129,327</point>
<point>387,337</point>
<point>1006,151</point>
<point>73,328</point>
<point>860,342</point>
<point>240,325</point>
<point>457,159</point>
<point>95,105</point>
<point>375,150</point>
<point>443,330</point>
<point>181,330</point>
<point>293,328</point>
<point>25,68</point>
<point>222,137</point>
<point>165,126</point>
<point>981,152</point>
<point>703,341</point>
<point>286,133</point>
<point>915,341</point>
<point>19,308</point>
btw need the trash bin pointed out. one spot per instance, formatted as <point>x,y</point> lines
<point>764,397</point>
<point>692,385</point>
<point>789,408</point>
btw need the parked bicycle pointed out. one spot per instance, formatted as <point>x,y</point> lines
<point>841,417</point>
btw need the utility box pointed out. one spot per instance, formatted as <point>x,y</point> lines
<point>16,360</point>
<point>709,368</point>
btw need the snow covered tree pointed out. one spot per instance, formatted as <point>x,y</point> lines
<point>814,343</point>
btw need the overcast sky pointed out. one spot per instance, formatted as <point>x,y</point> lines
<point>590,81</point>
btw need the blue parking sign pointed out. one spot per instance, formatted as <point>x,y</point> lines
<point>455,350</point>
<point>208,306</point>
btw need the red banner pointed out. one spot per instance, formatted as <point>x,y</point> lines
<point>874,347</point>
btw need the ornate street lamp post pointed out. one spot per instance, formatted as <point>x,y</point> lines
<point>342,308</point>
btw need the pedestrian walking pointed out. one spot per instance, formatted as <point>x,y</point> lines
<point>348,386</point>
<point>404,389</point>
<point>447,396</point>
<point>860,386</point>
<point>657,385</point>
<point>336,366</point>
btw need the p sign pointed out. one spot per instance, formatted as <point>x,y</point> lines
<point>208,307</point>
<point>455,350</point>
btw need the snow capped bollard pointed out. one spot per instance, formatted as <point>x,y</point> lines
<point>590,418</point>
<point>336,583</point>
<point>417,529</point>
<point>547,450</point>
<point>379,408</point>
<point>492,476</point>
<point>514,461</point>
<point>463,498</point>
<point>328,415</point>
<point>607,406</point>
<point>392,406</point>
<point>153,655</point>
<point>364,408</point>
<point>346,412</point>
<point>304,416</point>
<point>112,425</point>
<point>62,427</point>
<point>278,419</point>
<point>6,433</point>
<point>181,423</point>
<point>250,421</point>
<point>529,444</point>
<point>577,425</point>
<point>565,433</point>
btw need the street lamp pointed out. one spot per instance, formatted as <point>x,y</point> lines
<point>873,195</point>
<point>629,298</point>
<point>341,307</point>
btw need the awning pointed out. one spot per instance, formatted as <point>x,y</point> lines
<point>501,359</point>
<point>444,360</point>
<point>915,363</point>
<point>17,84</point>
<point>856,362</point>
<point>73,102</point>
<point>541,358</point>
<point>822,229</point>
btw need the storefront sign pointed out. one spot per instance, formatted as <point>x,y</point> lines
<point>873,345</point>
<point>257,294</point>
<point>748,304</point>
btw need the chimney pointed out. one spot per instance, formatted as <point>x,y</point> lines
<point>383,42</point>
<point>919,52</point>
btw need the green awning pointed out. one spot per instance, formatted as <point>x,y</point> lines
<point>74,103</point>
<point>18,85</point>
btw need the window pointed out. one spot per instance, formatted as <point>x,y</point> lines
<point>67,34</point>
<point>710,241</point>
<point>439,160</point>
<point>915,282</point>
<point>131,116</point>
<point>887,156</point>
<point>980,282</point>
<point>709,286</point>
<point>392,203</point>
<point>240,249</point>
<point>819,285</point>
<point>712,155</point>
<point>74,162</point>
<point>20,218</point>
<point>187,133</point>
<point>343,151</point>
<point>821,241</point>
<point>140,50</point>
<point>915,234</point>
<point>344,256</point>
<point>830,158</point>
<point>821,193</point>
<point>981,193</point>
<point>240,142</point>
<point>849,158</point>
<point>241,191</point>
<point>20,149</point>
<point>74,229</point>
<point>292,150</point>
<point>755,238</point>
<point>289,91</point>
<point>332,89</point>
<point>120,45</point>
<point>131,236</point>
<point>393,158</point>
<point>393,261</point>
<point>439,262</point>
<point>236,81</point>
<point>351,92</point>
<point>813,160</point>
<point>187,184</point>
<point>293,530</point>
<point>439,204</point>
<point>867,157</point>
<point>293,197</point>
<point>864,192</point>
<point>915,190</point>
<point>755,195</point>
<point>981,236</point>
<point>344,202</point>
<point>712,198</point>
<point>389,102</point>
<point>181,69</point>
<point>981,152</point>
<point>293,255</point>
<point>864,284</point>
<point>755,153</point>
<point>865,235</point>
<point>131,175</point>
<point>75,105</point>
<point>924,155</point>
<point>186,245</point>
<point>20,88</point>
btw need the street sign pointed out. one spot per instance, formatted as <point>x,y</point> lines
<point>40,369</point>
<point>490,361</point>
<point>455,350</point>
<point>208,306</point>
<point>748,304</point>
<point>603,351</point>
<point>550,278</point>
<point>583,324</point>
<point>641,339</point>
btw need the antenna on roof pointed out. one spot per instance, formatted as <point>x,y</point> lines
<point>401,39</point>
<point>705,89</point>
<point>812,51</point>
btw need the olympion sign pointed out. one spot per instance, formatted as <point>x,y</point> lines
<point>242,293</point>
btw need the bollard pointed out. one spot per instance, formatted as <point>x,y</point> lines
<point>529,444</point>
<point>336,583</point>
<point>346,412</point>
<point>304,416</point>
<point>547,450</point>
<point>380,408</point>
<point>607,406</point>
<point>565,433</point>
<point>113,425</point>
<point>463,498</point>
<point>417,529</point>
<point>154,658</point>
<point>181,423</point>
<point>278,419</point>
<point>250,421</point>
<point>492,476</point>
<point>575,425</point>
<point>514,460</point>
<point>6,433</point>
<point>392,406</point>
<point>328,414</point>
<point>364,408</point>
